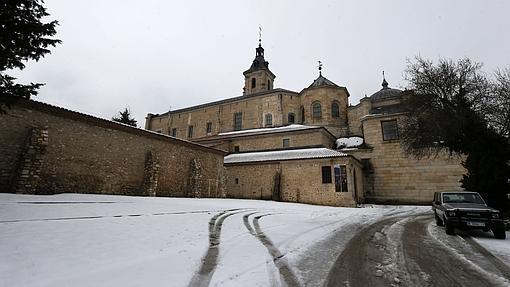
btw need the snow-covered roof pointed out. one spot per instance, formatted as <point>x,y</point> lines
<point>349,142</point>
<point>294,127</point>
<point>305,153</point>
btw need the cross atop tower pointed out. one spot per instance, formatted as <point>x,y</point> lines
<point>260,36</point>
<point>320,68</point>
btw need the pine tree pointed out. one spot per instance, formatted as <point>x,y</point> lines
<point>125,118</point>
<point>23,37</point>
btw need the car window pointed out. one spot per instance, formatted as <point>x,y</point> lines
<point>462,198</point>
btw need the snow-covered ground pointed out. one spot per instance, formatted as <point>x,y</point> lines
<point>500,248</point>
<point>98,240</point>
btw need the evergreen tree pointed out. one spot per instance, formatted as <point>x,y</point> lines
<point>456,108</point>
<point>23,37</point>
<point>125,118</point>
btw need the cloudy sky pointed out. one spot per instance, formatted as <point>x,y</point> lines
<point>152,56</point>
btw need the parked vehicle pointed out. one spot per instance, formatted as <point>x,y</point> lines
<point>466,210</point>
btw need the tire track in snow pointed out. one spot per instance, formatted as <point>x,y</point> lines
<point>209,262</point>
<point>279,262</point>
<point>500,265</point>
<point>400,251</point>
<point>115,216</point>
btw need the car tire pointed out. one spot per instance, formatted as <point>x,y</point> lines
<point>450,230</point>
<point>439,222</point>
<point>499,233</point>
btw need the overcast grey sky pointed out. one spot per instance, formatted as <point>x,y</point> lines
<point>155,55</point>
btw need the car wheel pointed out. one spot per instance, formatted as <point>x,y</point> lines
<point>439,222</point>
<point>450,230</point>
<point>499,233</point>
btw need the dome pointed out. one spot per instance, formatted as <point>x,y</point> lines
<point>385,93</point>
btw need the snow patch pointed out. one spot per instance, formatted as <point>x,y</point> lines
<point>349,142</point>
<point>292,127</point>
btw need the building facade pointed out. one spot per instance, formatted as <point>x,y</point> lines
<point>315,130</point>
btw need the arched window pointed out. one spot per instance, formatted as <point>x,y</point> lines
<point>269,120</point>
<point>316,110</point>
<point>335,110</point>
<point>253,83</point>
<point>268,85</point>
<point>302,114</point>
<point>291,118</point>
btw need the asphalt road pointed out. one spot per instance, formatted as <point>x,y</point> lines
<point>412,251</point>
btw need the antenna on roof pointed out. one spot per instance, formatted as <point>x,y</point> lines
<point>320,68</point>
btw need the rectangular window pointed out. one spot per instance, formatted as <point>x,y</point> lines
<point>269,120</point>
<point>237,180</point>
<point>340,178</point>
<point>190,131</point>
<point>326,174</point>
<point>286,142</point>
<point>174,132</point>
<point>238,121</point>
<point>236,148</point>
<point>208,127</point>
<point>389,130</point>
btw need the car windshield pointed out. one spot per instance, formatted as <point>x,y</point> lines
<point>462,198</point>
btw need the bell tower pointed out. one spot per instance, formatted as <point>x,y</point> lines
<point>258,77</point>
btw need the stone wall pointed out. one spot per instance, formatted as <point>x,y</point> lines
<point>300,181</point>
<point>315,137</point>
<point>398,178</point>
<point>221,115</point>
<point>254,109</point>
<point>275,141</point>
<point>355,113</point>
<point>326,96</point>
<point>84,154</point>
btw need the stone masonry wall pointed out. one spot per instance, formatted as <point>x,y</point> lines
<point>275,141</point>
<point>326,96</point>
<point>301,181</point>
<point>85,154</point>
<point>30,162</point>
<point>398,178</point>
<point>221,116</point>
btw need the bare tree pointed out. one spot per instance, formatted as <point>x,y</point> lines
<point>456,108</point>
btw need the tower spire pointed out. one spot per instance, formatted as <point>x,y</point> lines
<point>320,68</point>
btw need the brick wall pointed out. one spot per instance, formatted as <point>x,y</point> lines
<point>84,154</point>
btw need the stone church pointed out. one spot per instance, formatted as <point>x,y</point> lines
<point>311,146</point>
